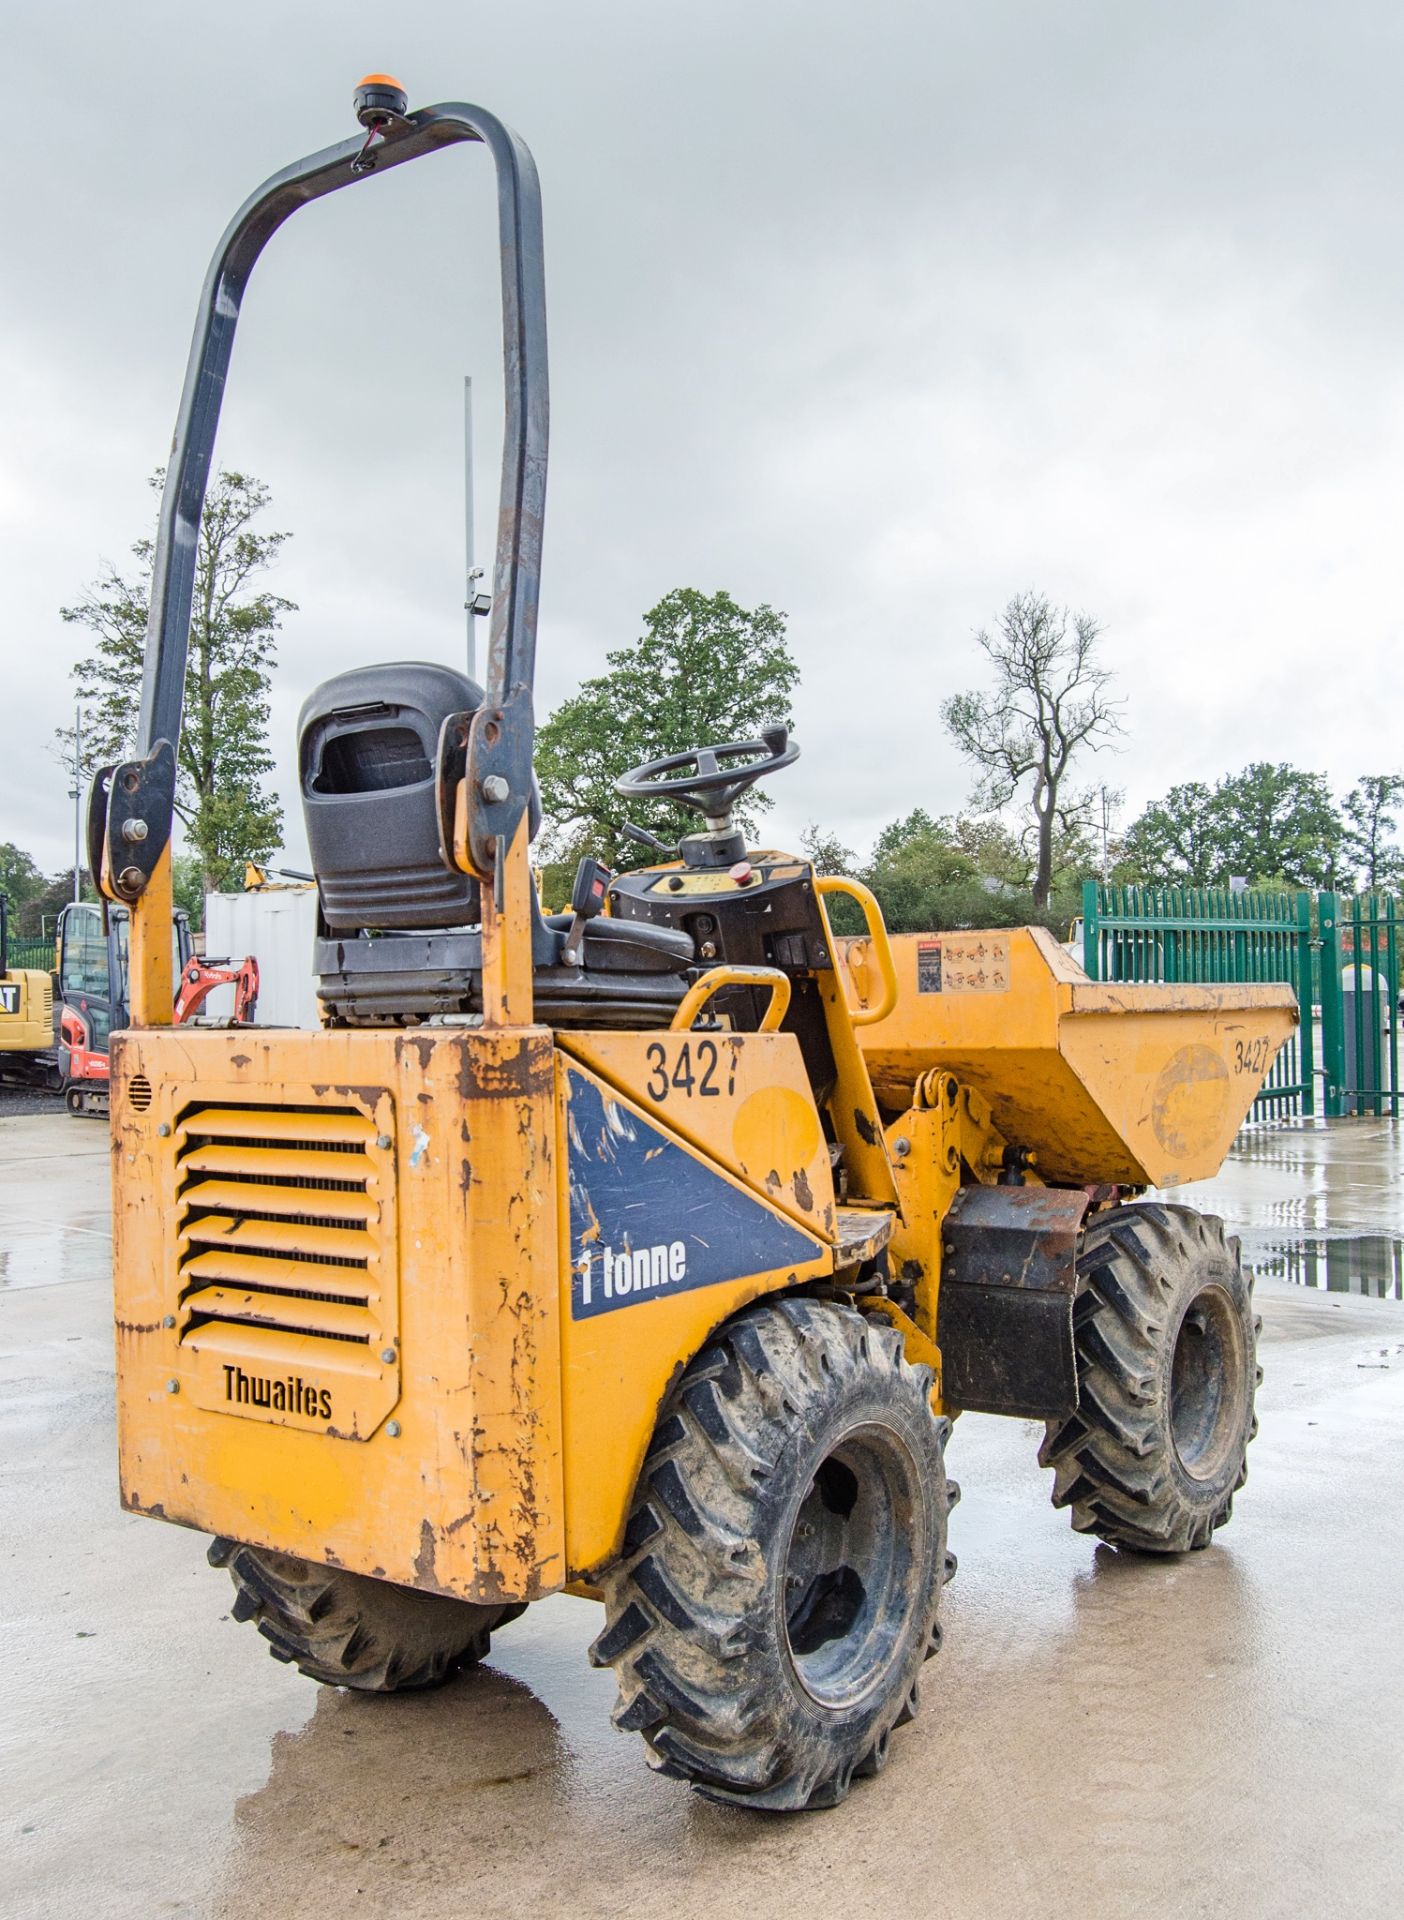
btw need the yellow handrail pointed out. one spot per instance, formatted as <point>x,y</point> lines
<point>701,991</point>
<point>877,936</point>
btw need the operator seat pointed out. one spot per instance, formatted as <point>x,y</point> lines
<point>399,939</point>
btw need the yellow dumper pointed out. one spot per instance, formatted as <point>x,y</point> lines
<point>646,1250</point>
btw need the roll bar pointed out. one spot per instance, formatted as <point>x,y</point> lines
<point>131,806</point>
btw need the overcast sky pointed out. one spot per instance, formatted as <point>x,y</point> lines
<point>880,314</point>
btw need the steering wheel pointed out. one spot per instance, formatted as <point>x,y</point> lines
<point>711,780</point>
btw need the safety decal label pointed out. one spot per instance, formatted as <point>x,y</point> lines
<point>964,963</point>
<point>647,1217</point>
<point>928,966</point>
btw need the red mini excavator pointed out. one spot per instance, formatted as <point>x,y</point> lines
<point>94,975</point>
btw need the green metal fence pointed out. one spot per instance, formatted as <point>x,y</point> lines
<point>36,953</point>
<point>1341,958</point>
<point>1212,935</point>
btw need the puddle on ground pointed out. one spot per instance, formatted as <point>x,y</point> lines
<point>1368,1263</point>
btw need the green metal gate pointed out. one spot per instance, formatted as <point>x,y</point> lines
<point>1360,971</point>
<point>1340,957</point>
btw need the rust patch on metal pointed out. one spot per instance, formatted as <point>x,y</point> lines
<point>418,1043</point>
<point>804,1193</point>
<point>526,1072</point>
<point>424,1574</point>
<point>867,1132</point>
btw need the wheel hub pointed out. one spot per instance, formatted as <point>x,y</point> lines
<point>849,1588</point>
<point>1206,1383</point>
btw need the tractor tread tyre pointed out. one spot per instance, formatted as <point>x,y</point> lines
<point>712,1650</point>
<point>349,1630</point>
<point>1166,1345</point>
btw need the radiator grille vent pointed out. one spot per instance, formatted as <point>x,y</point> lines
<point>281,1222</point>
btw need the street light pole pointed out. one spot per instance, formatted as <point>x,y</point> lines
<point>76,794</point>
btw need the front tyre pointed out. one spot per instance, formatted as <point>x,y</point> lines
<point>1166,1344</point>
<point>783,1560</point>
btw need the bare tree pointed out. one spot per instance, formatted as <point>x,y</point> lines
<point>1049,699</point>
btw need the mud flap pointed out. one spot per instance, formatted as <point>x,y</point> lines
<point>1008,1275</point>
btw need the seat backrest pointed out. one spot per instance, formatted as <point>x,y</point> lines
<point>367,743</point>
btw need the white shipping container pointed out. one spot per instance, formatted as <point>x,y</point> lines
<point>278,926</point>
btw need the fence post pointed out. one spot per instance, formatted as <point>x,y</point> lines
<point>1392,989</point>
<point>1091,935</point>
<point>1306,1043</point>
<point>1332,1008</point>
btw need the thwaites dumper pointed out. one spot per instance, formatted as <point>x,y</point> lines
<point>646,1251</point>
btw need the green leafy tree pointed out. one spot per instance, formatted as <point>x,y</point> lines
<point>704,671</point>
<point>916,870</point>
<point>222,799</point>
<point>826,852</point>
<point>188,888</point>
<point>1277,823</point>
<point>1369,838</point>
<point>41,910</point>
<point>1050,700</point>
<point>931,874</point>
<point>1270,824</point>
<point>1176,839</point>
<point>20,879</point>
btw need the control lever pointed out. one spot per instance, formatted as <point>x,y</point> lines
<point>587,898</point>
<point>647,839</point>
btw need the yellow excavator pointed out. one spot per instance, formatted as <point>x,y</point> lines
<point>28,1050</point>
<point>646,1251</point>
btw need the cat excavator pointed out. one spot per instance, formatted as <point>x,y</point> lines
<point>27,1053</point>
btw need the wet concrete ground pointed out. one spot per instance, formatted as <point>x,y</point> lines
<point>1101,1736</point>
<point>1316,1202</point>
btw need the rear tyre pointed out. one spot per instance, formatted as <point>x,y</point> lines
<point>348,1630</point>
<point>783,1561</point>
<point>1167,1368</point>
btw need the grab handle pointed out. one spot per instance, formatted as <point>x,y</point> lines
<point>701,991</point>
<point>877,936</point>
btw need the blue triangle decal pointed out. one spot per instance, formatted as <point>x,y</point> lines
<point>648,1218</point>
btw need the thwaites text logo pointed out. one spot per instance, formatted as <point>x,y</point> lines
<point>291,1394</point>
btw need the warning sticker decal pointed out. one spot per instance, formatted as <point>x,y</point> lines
<point>964,963</point>
<point>928,966</point>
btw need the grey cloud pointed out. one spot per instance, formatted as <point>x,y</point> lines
<point>878,314</point>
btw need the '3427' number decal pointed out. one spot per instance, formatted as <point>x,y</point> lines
<point>1252,1056</point>
<point>698,1075</point>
